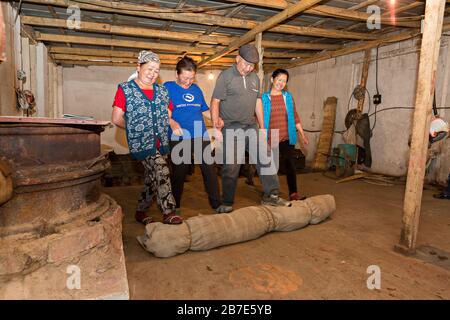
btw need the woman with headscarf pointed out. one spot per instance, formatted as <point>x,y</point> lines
<point>141,108</point>
<point>280,114</point>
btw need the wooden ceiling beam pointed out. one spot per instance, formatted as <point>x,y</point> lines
<point>115,64</point>
<point>199,18</point>
<point>272,54</point>
<point>387,15</point>
<point>355,48</point>
<point>55,15</point>
<point>355,7</point>
<point>269,23</point>
<point>165,59</point>
<point>299,45</point>
<point>65,53</point>
<point>181,36</point>
<point>134,54</point>
<point>329,11</point>
<point>127,30</point>
<point>122,43</point>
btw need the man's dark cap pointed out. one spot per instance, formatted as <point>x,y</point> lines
<point>249,53</point>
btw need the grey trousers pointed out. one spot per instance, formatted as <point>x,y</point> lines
<point>238,138</point>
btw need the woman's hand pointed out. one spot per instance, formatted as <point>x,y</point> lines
<point>216,134</point>
<point>176,128</point>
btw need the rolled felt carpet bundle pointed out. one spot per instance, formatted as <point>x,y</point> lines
<point>211,231</point>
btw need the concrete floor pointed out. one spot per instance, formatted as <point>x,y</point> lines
<point>325,261</point>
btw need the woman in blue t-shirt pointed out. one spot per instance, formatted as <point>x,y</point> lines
<point>187,129</point>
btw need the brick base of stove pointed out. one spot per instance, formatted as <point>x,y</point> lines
<point>82,260</point>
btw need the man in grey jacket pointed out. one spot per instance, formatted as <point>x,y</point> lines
<point>237,98</point>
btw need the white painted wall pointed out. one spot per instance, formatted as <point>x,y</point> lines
<point>398,63</point>
<point>90,91</point>
<point>22,54</point>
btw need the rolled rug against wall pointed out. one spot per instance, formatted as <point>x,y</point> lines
<point>211,231</point>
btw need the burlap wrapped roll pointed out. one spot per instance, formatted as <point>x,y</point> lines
<point>321,207</point>
<point>211,231</point>
<point>291,218</point>
<point>166,241</point>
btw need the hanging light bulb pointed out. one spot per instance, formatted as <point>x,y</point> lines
<point>211,76</point>
<point>392,10</point>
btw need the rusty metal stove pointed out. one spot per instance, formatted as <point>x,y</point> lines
<point>56,207</point>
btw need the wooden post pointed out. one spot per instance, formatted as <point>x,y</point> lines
<point>429,54</point>
<point>59,91</point>
<point>364,75</point>
<point>2,37</point>
<point>49,103</point>
<point>258,43</point>
<point>26,65</point>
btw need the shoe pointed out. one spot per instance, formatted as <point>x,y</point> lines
<point>275,200</point>
<point>172,218</point>
<point>442,195</point>
<point>224,209</point>
<point>295,196</point>
<point>143,218</point>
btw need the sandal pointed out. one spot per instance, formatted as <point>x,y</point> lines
<point>172,218</point>
<point>143,218</point>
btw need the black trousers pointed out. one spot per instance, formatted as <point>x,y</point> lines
<point>180,170</point>
<point>286,152</point>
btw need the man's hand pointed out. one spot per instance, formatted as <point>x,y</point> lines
<point>219,124</point>
<point>176,128</point>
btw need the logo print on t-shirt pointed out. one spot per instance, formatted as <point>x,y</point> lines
<point>188,97</point>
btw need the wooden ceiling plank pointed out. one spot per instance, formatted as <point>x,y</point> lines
<point>55,15</point>
<point>206,19</point>
<point>269,23</point>
<point>170,35</point>
<point>121,43</point>
<point>324,10</point>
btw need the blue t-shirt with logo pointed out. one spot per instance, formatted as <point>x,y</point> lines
<point>188,105</point>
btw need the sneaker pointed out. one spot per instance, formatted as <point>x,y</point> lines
<point>143,218</point>
<point>172,218</point>
<point>224,209</point>
<point>275,200</point>
<point>442,195</point>
<point>295,196</point>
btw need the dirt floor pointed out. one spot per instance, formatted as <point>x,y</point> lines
<point>325,261</point>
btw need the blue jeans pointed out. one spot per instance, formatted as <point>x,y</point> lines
<point>234,156</point>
